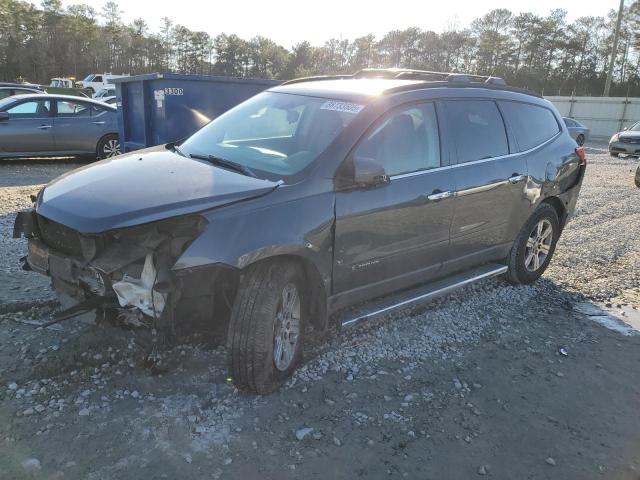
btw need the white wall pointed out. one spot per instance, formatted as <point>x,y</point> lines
<point>603,115</point>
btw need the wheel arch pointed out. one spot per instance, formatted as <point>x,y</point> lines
<point>312,277</point>
<point>559,207</point>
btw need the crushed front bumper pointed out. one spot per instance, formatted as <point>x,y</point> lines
<point>130,268</point>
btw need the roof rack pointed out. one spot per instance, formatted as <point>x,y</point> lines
<point>316,77</point>
<point>430,79</point>
<point>426,75</point>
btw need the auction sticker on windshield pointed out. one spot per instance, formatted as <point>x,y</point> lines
<point>341,106</point>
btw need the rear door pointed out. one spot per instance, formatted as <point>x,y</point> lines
<point>491,180</point>
<point>28,129</point>
<point>399,231</point>
<point>78,126</point>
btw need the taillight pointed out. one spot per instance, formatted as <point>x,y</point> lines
<point>581,155</point>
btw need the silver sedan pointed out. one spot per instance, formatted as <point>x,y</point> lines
<point>578,131</point>
<point>57,125</point>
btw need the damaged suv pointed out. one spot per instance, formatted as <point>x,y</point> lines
<point>323,200</point>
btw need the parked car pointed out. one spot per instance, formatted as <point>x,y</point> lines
<point>23,85</point>
<point>97,81</point>
<point>106,91</point>
<point>578,131</point>
<point>303,203</point>
<point>55,125</point>
<point>11,91</point>
<point>108,100</point>
<point>627,141</point>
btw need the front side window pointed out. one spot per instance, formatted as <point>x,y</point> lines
<point>32,109</point>
<point>478,129</point>
<point>275,133</point>
<point>70,108</point>
<point>405,141</point>
<point>532,125</point>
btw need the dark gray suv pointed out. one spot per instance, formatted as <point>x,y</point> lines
<point>322,200</point>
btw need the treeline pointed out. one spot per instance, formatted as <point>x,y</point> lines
<point>545,53</point>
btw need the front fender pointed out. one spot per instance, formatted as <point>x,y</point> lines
<point>238,237</point>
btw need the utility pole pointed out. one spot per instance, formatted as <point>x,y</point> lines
<point>607,85</point>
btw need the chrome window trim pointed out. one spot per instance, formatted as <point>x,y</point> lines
<point>474,162</point>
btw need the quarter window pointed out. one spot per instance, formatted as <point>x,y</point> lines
<point>33,109</point>
<point>406,141</point>
<point>532,125</point>
<point>477,128</point>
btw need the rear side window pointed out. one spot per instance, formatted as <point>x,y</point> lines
<point>532,125</point>
<point>477,128</point>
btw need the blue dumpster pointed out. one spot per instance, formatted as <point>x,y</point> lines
<point>159,108</point>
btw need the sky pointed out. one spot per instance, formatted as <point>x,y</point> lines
<point>288,22</point>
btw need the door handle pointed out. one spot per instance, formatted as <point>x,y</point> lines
<point>98,123</point>
<point>517,178</point>
<point>44,127</point>
<point>434,197</point>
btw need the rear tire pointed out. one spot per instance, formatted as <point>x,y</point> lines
<point>637,177</point>
<point>264,341</point>
<point>534,246</point>
<point>108,146</point>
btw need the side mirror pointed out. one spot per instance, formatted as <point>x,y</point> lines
<point>368,172</point>
<point>4,117</point>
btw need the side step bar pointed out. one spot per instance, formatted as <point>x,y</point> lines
<point>420,294</point>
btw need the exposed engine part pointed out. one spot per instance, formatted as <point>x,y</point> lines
<point>139,292</point>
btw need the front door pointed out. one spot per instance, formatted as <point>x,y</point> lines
<point>28,129</point>
<point>395,235</point>
<point>490,182</point>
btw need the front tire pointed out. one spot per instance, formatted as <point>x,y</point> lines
<point>108,146</point>
<point>266,329</point>
<point>614,154</point>
<point>533,248</point>
<point>580,139</point>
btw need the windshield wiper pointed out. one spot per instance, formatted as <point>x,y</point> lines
<point>177,150</point>
<point>223,162</point>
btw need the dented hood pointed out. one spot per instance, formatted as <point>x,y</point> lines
<point>142,187</point>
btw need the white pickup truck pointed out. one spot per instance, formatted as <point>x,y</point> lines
<point>97,81</point>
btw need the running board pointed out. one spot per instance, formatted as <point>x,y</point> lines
<point>424,293</point>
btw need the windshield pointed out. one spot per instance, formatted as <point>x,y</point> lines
<point>635,127</point>
<point>89,77</point>
<point>275,133</point>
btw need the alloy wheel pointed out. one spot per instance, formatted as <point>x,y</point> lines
<point>538,245</point>
<point>287,328</point>
<point>111,148</point>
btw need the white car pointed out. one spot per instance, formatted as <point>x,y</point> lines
<point>97,81</point>
<point>104,92</point>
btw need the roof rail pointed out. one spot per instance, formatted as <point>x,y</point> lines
<point>426,75</point>
<point>316,77</point>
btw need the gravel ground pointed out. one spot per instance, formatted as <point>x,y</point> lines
<point>494,380</point>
